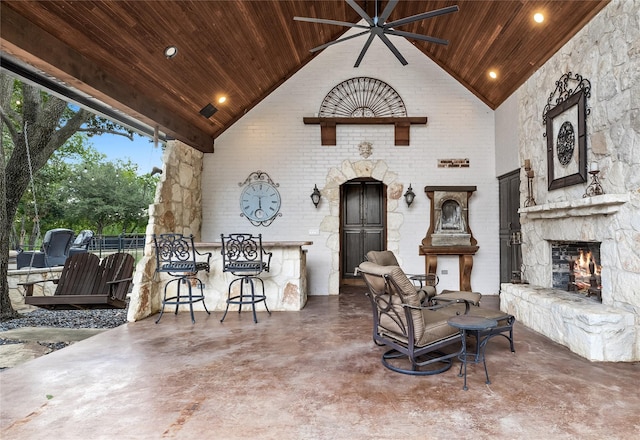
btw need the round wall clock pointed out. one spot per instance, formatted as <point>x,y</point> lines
<point>260,200</point>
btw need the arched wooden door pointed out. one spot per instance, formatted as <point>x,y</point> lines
<point>362,225</point>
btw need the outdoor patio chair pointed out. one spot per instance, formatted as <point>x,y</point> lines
<point>388,258</point>
<point>427,282</point>
<point>245,258</point>
<point>177,256</point>
<point>416,332</point>
<point>54,252</point>
<point>81,242</point>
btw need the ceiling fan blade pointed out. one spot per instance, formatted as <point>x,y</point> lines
<point>417,36</point>
<point>364,50</point>
<point>315,49</point>
<point>387,11</point>
<point>392,48</point>
<point>325,21</point>
<point>422,16</point>
<point>356,7</point>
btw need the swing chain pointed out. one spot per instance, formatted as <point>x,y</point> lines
<point>33,191</point>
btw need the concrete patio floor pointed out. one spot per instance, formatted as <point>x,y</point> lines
<point>312,374</point>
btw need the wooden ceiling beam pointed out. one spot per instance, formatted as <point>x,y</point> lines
<point>27,42</point>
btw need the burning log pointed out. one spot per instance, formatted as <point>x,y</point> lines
<point>584,275</point>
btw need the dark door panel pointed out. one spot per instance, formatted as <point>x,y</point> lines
<point>363,224</point>
<point>352,212</point>
<point>373,205</point>
<point>510,252</point>
<point>352,243</point>
<point>373,241</point>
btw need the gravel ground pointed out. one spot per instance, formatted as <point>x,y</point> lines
<point>107,318</point>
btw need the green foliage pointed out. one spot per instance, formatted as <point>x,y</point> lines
<point>79,189</point>
<point>103,194</point>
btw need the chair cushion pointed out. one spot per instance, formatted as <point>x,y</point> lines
<point>382,258</point>
<point>435,328</point>
<point>427,291</point>
<point>453,295</point>
<point>395,323</point>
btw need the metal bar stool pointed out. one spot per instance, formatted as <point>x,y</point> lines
<point>244,257</point>
<point>176,255</point>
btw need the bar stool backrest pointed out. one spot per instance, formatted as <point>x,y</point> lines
<point>243,254</point>
<point>176,254</point>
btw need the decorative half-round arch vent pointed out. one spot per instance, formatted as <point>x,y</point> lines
<point>362,97</point>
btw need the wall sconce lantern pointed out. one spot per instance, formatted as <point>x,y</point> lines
<point>409,196</point>
<point>315,195</point>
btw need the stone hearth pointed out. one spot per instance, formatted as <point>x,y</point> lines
<point>606,331</point>
<point>593,330</point>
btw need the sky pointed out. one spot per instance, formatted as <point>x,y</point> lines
<point>140,151</point>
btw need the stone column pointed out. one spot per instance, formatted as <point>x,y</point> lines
<point>177,207</point>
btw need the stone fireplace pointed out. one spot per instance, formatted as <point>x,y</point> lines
<point>610,330</point>
<point>599,331</point>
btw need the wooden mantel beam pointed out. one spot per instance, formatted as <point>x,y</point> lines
<point>402,126</point>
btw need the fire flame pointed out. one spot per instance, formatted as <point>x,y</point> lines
<point>584,267</point>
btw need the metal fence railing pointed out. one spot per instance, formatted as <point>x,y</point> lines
<point>131,243</point>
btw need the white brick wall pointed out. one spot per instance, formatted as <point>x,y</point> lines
<point>272,138</point>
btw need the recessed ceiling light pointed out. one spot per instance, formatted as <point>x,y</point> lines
<point>222,99</point>
<point>538,17</point>
<point>170,51</point>
<point>493,74</point>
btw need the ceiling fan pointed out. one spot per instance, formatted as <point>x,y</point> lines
<point>377,26</point>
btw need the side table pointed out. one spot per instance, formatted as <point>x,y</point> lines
<point>475,324</point>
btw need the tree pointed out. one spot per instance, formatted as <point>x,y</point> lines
<point>103,194</point>
<point>36,125</point>
<point>47,192</point>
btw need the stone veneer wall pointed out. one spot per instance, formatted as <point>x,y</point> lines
<point>177,207</point>
<point>17,292</point>
<point>606,52</point>
<point>378,170</point>
<point>285,285</point>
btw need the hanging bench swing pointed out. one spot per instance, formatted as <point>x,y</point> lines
<point>87,283</point>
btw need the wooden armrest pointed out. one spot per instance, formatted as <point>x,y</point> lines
<point>119,281</point>
<point>29,285</point>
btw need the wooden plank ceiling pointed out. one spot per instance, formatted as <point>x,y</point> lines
<point>113,50</point>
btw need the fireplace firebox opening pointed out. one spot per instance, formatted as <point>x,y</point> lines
<point>576,267</point>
